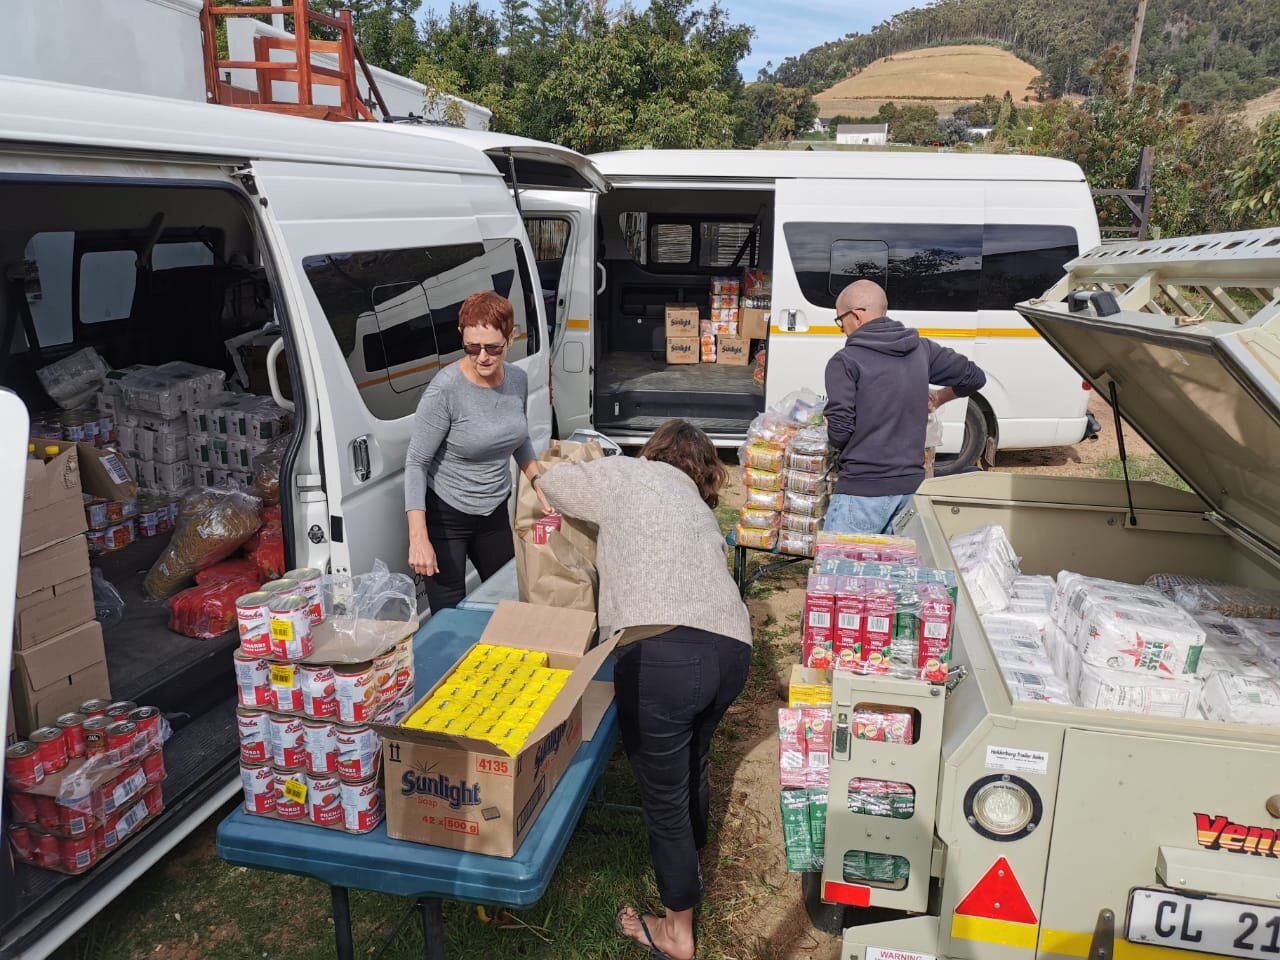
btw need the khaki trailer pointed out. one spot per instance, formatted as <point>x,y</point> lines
<point>1053,831</point>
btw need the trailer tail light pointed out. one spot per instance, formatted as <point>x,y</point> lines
<point>848,894</point>
<point>997,896</point>
<point>1086,386</point>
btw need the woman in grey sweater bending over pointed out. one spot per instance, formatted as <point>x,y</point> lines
<point>457,476</point>
<point>684,649</point>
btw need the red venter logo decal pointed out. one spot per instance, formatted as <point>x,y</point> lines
<point>1219,833</point>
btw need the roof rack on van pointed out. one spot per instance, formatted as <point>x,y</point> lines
<point>340,58</point>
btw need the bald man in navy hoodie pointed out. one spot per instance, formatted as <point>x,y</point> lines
<point>878,403</point>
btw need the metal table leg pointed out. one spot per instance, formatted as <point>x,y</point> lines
<point>342,923</point>
<point>740,569</point>
<point>432,927</point>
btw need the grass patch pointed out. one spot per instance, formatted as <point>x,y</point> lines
<point>1142,468</point>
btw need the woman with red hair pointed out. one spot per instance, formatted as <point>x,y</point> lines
<point>469,424</point>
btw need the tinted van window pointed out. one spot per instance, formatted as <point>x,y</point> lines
<point>1023,261</point>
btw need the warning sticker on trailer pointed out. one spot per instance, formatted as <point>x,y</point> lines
<point>881,953</point>
<point>1015,760</point>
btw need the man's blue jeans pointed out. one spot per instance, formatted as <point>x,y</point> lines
<point>849,514</point>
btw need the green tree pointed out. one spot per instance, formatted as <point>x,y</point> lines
<point>516,23</point>
<point>774,113</point>
<point>554,19</point>
<point>465,46</point>
<point>1255,183</point>
<point>386,30</point>
<point>916,123</point>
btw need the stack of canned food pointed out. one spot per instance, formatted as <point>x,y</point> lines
<point>76,426</point>
<point>307,751</point>
<point>78,788</point>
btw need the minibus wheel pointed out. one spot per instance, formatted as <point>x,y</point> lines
<point>975,441</point>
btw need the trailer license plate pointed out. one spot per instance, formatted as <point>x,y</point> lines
<point>1224,928</point>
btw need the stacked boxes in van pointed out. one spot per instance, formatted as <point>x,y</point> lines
<point>228,431</point>
<point>59,659</point>
<point>681,321</point>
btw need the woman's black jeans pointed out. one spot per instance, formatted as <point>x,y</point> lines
<point>672,690</point>
<point>457,537</point>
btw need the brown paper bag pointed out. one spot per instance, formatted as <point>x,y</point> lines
<point>561,572</point>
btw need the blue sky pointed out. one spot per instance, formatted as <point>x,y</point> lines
<point>785,27</point>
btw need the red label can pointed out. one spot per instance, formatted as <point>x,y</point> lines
<point>259,783</point>
<point>153,767</point>
<point>324,801</point>
<point>52,746</point>
<point>148,721</point>
<point>23,844</point>
<point>24,808</point>
<point>320,741</point>
<point>357,701</point>
<point>404,681</point>
<point>121,709</point>
<point>122,740</point>
<point>253,679</point>
<point>72,727</point>
<point>48,851</point>
<point>310,586</point>
<point>255,735</point>
<point>22,766</point>
<point>47,812</point>
<point>359,753</point>
<point>73,822</point>
<point>287,697</point>
<point>318,699</point>
<point>78,854</point>
<point>287,751</point>
<point>361,805</point>
<point>254,623</point>
<point>384,671</point>
<point>94,708</point>
<point>286,807</point>
<point>155,802</point>
<point>290,626</point>
<point>95,735</point>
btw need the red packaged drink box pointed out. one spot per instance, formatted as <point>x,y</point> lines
<point>879,606</point>
<point>851,607</point>
<point>817,745</point>
<point>791,748</point>
<point>934,650</point>
<point>883,726</point>
<point>819,621</point>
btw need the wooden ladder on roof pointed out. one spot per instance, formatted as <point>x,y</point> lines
<point>302,70</point>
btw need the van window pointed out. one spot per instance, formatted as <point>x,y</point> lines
<point>858,260</point>
<point>690,242</point>
<point>549,237</point>
<point>671,243</point>
<point>722,241</point>
<point>394,313</point>
<point>1023,261</point>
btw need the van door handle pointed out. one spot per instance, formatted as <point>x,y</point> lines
<point>604,279</point>
<point>789,318</point>
<point>273,376</point>
<point>360,458</point>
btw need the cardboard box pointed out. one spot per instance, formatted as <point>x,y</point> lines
<point>733,351</point>
<point>682,319</point>
<point>54,482</point>
<point>53,564</point>
<point>51,524</point>
<point>468,794</point>
<point>46,613</point>
<point>683,349</point>
<point>105,473</point>
<point>753,324</point>
<point>58,675</point>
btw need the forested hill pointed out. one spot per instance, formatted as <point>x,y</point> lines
<point>1219,50</point>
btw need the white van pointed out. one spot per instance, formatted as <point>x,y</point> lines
<point>955,239</point>
<point>155,230</point>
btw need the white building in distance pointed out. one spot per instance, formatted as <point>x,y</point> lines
<point>870,134</point>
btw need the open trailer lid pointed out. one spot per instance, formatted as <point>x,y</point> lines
<point>1187,331</point>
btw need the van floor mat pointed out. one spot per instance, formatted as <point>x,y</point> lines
<point>619,372</point>
<point>146,661</point>
<point>199,757</point>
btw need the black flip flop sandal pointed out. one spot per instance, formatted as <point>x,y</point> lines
<point>651,948</point>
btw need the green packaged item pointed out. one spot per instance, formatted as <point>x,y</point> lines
<point>818,824</point>
<point>796,838</point>
<point>862,866</point>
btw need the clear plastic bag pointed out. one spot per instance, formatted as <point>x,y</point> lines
<point>811,441</point>
<point>212,525</point>
<point>761,479</point>
<point>802,407</point>
<point>74,380</point>
<point>806,504</point>
<point>758,519</point>
<point>1166,583</point>
<point>108,605</point>
<point>806,483</point>
<point>772,429</point>
<point>266,471</point>
<point>1252,700</point>
<point>756,538</point>
<point>208,610</point>
<point>1229,600</point>
<point>762,456</point>
<point>799,523</point>
<point>774,500</point>
<point>365,611</point>
<point>795,544</point>
<point>815,463</point>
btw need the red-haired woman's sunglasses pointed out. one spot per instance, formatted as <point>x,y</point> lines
<point>492,349</point>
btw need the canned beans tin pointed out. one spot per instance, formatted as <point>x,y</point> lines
<point>253,680</point>
<point>361,805</point>
<point>48,851</point>
<point>324,801</point>
<point>47,812</point>
<point>286,807</point>
<point>52,746</point>
<point>95,735</point>
<point>153,767</point>
<point>122,740</point>
<point>23,807</point>
<point>22,765</point>
<point>22,841</point>
<point>310,586</point>
<point>94,708</point>
<point>148,721</point>
<point>78,854</point>
<point>72,727</point>
<point>359,752</point>
<point>255,623</point>
<point>357,696</point>
<point>259,783</point>
<point>255,735</point>
<point>286,688</point>
<point>121,709</point>
<point>290,627</point>
<point>287,752</point>
<point>318,697</point>
<point>320,743</point>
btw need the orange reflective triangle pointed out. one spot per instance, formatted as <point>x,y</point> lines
<point>997,896</point>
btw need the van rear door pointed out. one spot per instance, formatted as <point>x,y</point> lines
<point>378,262</point>
<point>13,444</point>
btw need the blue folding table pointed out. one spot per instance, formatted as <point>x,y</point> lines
<point>375,862</point>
